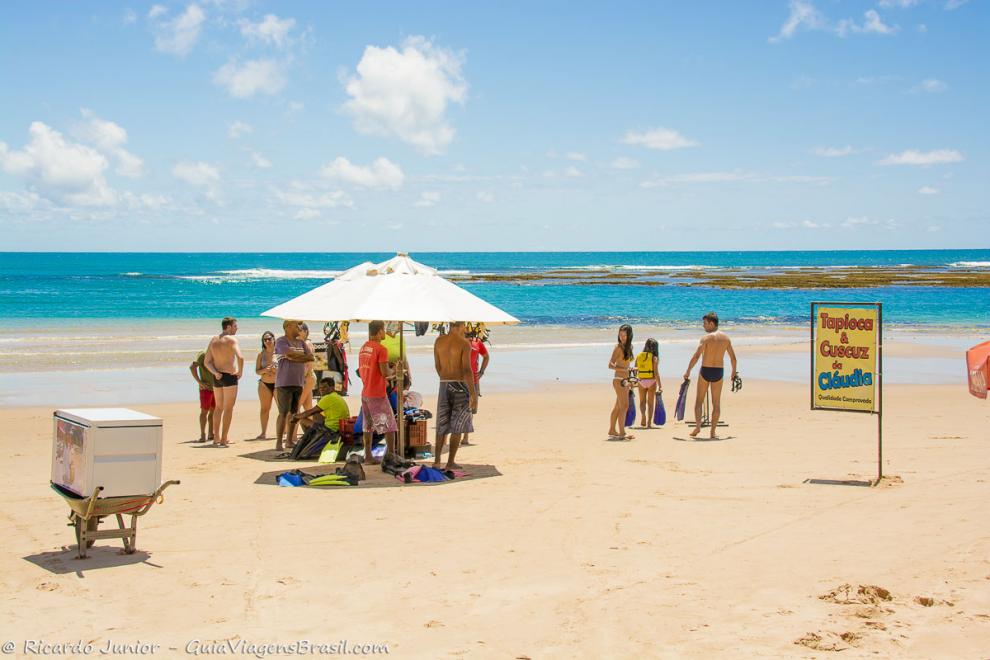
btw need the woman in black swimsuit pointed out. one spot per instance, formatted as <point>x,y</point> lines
<point>265,366</point>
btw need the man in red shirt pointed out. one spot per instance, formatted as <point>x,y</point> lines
<point>376,410</point>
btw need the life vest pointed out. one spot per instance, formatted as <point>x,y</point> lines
<point>644,365</point>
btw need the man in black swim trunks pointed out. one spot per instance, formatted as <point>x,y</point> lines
<point>225,361</point>
<point>711,350</point>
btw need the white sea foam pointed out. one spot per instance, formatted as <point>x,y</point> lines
<point>132,274</point>
<point>254,274</point>
<point>970,264</point>
<point>608,268</point>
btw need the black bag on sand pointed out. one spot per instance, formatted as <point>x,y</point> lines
<point>312,443</point>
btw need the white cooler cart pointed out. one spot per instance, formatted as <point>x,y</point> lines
<point>106,461</point>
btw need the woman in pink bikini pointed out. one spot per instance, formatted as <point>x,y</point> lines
<point>648,372</point>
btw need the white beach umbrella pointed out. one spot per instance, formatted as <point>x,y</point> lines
<point>399,289</point>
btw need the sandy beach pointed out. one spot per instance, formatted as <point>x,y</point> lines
<point>574,547</point>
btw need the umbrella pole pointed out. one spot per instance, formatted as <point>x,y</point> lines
<point>400,381</point>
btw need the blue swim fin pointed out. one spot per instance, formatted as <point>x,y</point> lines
<point>631,413</point>
<point>660,413</point>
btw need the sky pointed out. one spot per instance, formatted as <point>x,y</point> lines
<point>242,125</point>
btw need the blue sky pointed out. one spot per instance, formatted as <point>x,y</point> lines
<point>226,125</point>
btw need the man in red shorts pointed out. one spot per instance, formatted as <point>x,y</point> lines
<point>207,404</point>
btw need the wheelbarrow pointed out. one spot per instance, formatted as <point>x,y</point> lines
<point>88,512</point>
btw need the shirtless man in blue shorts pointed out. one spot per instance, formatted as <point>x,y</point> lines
<point>711,350</point>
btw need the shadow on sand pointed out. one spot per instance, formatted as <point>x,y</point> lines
<point>378,479</point>
<point>840,482</point>
<point>61,562</point>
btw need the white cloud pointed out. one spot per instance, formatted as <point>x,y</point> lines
<point>922,28</point>
<point>863,221</point>
<point>623,163</point>
<point>486,197</point>
<point>803,15</point>
<point>875,24</point>
<point>61,171</point>
<point>405,93</point>
<point>929,86</point>
<point>663,139</point>
<point>136,202</point>
<point>576,155</point>
<point>804,224</point>
<point>303,197</point>
<point>834,152</point>
<point>382,173</point>
<point>130,17</point>
<point>156,11</point>
<point>179,36</point>
<point>199,174</point>
<point>952,5</point>
<point>934,228</point>
<point>243,81</point>
<point>573,172</point>
<point>915,157</point>
<point>737,176</point>
<point>296,106</point>
<point>307,214</point>
<point>902,4</point>
<point>109,139</point>
<point>928,190</point>
<point>19,202</point>
<point>238,128</point>
<point>271,30</point>
<point>258,160</point>
<point>427,199</point>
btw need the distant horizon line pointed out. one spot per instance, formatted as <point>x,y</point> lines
<point>410,252</point>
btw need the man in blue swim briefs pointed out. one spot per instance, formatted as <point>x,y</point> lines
<point>711,350</point>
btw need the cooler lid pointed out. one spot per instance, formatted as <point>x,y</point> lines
<point>105,417</point>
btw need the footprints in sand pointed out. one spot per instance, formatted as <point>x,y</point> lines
<point>433,623</point>
<point>866,594</point>
<point>46,586</point>
<point>868,604</point>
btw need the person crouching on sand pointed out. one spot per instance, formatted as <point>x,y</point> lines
<point>648,372</point>
<point>711,349</point>
<point>622,355</point>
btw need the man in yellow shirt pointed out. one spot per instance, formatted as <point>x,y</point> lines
<point>331,406</point>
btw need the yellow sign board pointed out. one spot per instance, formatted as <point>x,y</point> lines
<point>845,374</point>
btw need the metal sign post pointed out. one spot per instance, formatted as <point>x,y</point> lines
<point>847,361</point>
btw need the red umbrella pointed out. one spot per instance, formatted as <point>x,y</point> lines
<point>978,368</point>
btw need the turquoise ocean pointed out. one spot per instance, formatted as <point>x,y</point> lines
<point>168,286</point>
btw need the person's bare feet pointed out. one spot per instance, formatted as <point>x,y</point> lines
<point>260,436</point>
<point>694,433</point>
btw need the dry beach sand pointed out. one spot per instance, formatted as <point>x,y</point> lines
<point>659,547</point>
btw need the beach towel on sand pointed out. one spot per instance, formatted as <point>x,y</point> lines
<point>660,413</point>
<point>682,400</point>
<point>631,413</point>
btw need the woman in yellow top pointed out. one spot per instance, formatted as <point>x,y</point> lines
<point>648,372</point>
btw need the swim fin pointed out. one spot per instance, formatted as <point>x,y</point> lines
<point>660,413</point>
<point>631,412</point>
<point>682,400</point>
